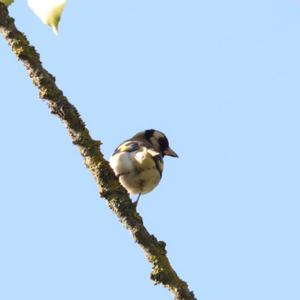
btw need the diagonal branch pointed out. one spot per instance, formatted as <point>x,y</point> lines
<point>109,187</point>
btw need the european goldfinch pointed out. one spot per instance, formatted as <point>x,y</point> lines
<point>138,162</point>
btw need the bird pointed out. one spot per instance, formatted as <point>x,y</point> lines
<point>138,162</point>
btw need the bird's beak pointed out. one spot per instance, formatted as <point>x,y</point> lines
<point>170,152</point>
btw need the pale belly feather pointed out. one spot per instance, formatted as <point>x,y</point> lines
<point>137,171</point>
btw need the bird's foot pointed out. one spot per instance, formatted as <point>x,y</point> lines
<point>135,203</point>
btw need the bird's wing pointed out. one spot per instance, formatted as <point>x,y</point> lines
<point>129,146</point>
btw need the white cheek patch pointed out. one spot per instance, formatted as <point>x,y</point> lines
<point>154,142</point>
<point>153,152</point>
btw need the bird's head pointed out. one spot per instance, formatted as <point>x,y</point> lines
<point>157,140</point>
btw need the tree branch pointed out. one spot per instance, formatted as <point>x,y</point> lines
<point>109,187</point>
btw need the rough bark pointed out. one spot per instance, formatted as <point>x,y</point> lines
<point>109,187</point>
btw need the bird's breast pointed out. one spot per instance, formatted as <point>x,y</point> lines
<point>138,171</point>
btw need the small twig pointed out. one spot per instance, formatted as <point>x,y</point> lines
<point>108,184</point>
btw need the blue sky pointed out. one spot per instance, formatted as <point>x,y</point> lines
<point>221,79</point>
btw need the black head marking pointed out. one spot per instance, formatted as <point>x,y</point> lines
<point>148,134</point>
<point>163,144</point>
